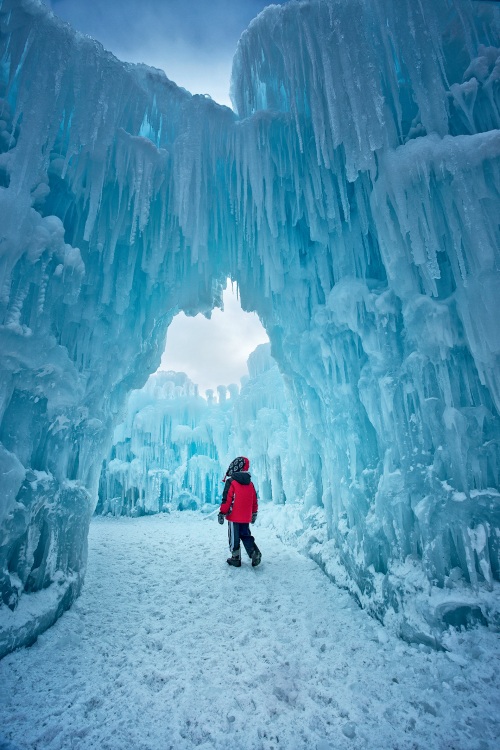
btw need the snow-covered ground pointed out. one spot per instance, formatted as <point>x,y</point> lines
<point>168,647</point>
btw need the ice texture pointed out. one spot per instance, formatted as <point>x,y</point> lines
<point>354,199</point>
<point>172,450</point>
<point>167,453</point>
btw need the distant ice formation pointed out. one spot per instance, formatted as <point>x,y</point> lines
<point>354,198</point>
<point>173,448</point>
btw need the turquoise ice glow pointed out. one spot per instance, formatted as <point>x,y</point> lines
<point>354,199</point>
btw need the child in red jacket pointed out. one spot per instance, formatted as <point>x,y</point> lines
<point>239,506</point>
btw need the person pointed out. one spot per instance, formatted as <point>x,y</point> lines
<point>239,507</point>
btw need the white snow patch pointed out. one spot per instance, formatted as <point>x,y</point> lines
<point>168,647</point>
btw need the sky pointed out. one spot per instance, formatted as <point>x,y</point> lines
<point>193,41</point>
<point>213,352</point>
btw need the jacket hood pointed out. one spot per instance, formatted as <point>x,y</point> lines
<point>242,477</point>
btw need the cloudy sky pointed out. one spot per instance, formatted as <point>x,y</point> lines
<point>193,41</point>
<point>213,352</point>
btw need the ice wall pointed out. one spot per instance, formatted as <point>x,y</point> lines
<point>173,447</point>
<point>355,201</point>
<point>167,454</point>
<point>262,428</point>
<point>99,247</point>
<point>383,200</point>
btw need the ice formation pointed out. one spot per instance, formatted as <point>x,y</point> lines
<point>355,201</point>
<point>173,447</point>
<point>167,452</point>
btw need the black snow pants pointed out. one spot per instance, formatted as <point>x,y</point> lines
<point>237,532</point>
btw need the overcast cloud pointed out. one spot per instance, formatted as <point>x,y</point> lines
<point>213,352</point>
<point>193,41</point>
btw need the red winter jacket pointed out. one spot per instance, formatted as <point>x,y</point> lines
<point>239,499</point>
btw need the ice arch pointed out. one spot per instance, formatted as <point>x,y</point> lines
<point>355,201</point>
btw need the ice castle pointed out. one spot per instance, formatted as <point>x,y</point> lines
<point>353,195</point>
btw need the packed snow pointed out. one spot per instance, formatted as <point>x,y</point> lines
<point>168,647</point>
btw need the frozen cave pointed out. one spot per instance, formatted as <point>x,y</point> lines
<point>355,200</point>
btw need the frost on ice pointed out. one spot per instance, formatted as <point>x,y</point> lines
<point>173,448</point>
<point>355,200</point>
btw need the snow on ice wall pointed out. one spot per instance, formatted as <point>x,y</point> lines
<point>355,202</point>
<point>174,447</point>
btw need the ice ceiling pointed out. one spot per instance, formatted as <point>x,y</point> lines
<point>354,199</point>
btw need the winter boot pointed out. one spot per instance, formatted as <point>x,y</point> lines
<point>235,559</point>
<point>256,557</point>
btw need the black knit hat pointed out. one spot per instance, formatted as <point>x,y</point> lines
<point>238,464</point>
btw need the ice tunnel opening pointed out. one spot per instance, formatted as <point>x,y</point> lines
<point>218,393</point>
<point>213,351</point>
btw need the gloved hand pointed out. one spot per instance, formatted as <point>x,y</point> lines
<point>254,517</point>
<point>221,517</point>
